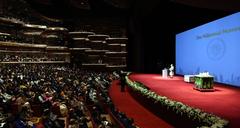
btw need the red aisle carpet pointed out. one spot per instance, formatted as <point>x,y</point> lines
<point>142,117</point>
<point>224,102</point>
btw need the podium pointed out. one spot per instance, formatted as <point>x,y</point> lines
<point>203,83</point>
<point>165,73</point>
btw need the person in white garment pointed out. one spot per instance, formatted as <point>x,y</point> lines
<point>171,71</point>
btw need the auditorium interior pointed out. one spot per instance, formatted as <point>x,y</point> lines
<point>64,63</point>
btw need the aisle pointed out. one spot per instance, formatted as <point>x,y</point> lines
<point>127,104</point>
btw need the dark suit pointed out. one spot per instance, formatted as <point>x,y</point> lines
<point>122,81</point>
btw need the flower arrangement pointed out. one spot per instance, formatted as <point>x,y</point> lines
<point>206,120</point>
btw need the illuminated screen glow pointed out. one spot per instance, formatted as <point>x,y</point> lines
<point>213,47</point>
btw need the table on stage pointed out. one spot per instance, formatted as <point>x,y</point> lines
<point>204,83</point>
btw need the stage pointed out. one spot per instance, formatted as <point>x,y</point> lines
<point>223,102</point>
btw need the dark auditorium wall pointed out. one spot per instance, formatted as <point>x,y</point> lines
<point>152,27</point>
<point>143,28</point>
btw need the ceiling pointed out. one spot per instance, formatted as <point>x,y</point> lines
<point>225,5</point>
<point>78,8</point>
<point>69,8</point>
<point>189,13</point>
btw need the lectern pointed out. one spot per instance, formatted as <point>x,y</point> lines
<point>164,73</point>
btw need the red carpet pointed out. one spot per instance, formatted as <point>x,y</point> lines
<point>224,102</point>
<point>142,117</point>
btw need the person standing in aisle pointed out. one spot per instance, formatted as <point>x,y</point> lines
<point>122,80</point>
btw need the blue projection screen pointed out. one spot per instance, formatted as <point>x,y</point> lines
<point>213,47</point>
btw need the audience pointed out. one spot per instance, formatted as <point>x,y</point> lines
<point>48,96</point>
<point>51,92</point>
<point>30,58</point>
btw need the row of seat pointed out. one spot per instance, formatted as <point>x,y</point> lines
<point>99,50</point>
<point>99,44</point>
<point>89,48</point>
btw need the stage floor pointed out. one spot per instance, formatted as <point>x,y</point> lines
<point>223,102</point>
